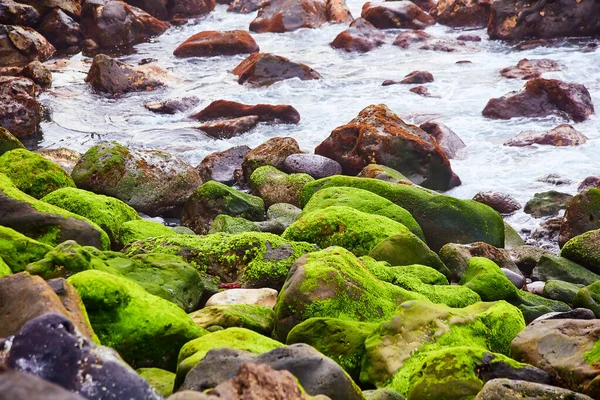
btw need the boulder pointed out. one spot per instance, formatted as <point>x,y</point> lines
<point>191,8</point>
<point>396,15</point>
<point>446,138</point>
<point>529,69</point>
<point>20,45</point>
<point>71,7</point>
<point>224,109</point>
<point>551,267</point>
<point>256,318</point>
<point>16,385</point>
<point>9,142</point>
<point>563,291</point>
<point>510,389</point>
<point>228,128</point>
<point>14,13</point>
<point>172,106</point>
<point>591,182</point>
<point>485,278</point>
<point>462,13</point>
<point>547,204</point>
<point>408,38</point>
<point>378,136</point>
<point>138,229</point>
<point>273,152</point>
<point>457,256</point>
<point>265,297</point>
<point>274,186</point>
<point>162,381</point>
<point>585,250</point>
<point>562,135</point>
<point>338,12</point>
<point>289,15</point>
<point>361,37</point>
<point>263,69</point>
<point>581,215</point>
<point>61,30</point>
<point>221,166</point>
<point>417,77</point>
<point>246,6</point>
<point>223,223</point>
<point>18,250</point>
<point>503,203</point>
<point>215,43</point>
<point>589,298</point>
<point>20,112</point>
<point>279,217</point>
<point>383,173</point>
<point>312,164</point>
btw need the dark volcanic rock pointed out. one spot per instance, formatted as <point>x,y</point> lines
<point>20,112</point>
<point>20,45</point>
<point>447,139</point>
<point>396,15</point>
<point>173,106</point>
<point>529,69</point>
<point>361,36</point>
<point>228,128</point>
<point>263,69</point>
<point>222,166</point>
<point>215,43</point>
<point>462,13</point>
<point>218,109</point>
<point>562,135</point>
<point>500,202</point>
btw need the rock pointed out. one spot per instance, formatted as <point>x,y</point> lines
<point>279,217</point>
<point>509,389</point>
<point>157,8</point>
<point>396,15</point>
<point>35,71</point>
<point>138,229</point>
<point>361,37</point>
<point>382,394</point>
<point>588,298</point>
<point>61,30</point>
<point>562,291</point>
<point>503,203</point>
<point>383,173</point>
<point>246,6</point>
<point>254,317</point>
<point>214,198</point>
<point>228,128</point>
<point>65,158</point>
<point>273,152</point>
<point>510,20</point>
<point>485,278</point>
<point>263,69</point>
<point>584,249</point>
<point>407,38</point>
<point>108,75</point>
<point>151,181</point>
<point>173,106</point>
<point>578,313</point>
<point>562,135</point>
<point>422,91</point>
<point>9,142</point>
<point>224,109</point>
<point>18,250</point>
<point>338,12</point>
<point>20,112</point>
<point>512,238</point>
<point>222,166</point>
<point>533,306</point>
<point>226,224</point>
<point>14,13</point>
<point>542,97</point>
<point>469,38</point>
<point>215,43</point>
<point>274,186</point>
<point>456,257</point>
<point>591,182</point>
<point>462,13</point>
<point>191,8</point>
<point>517,279</point>
<point>161,380</point>
<point>568,353</point>
<point>20,45</point>
<point>312,164</point>
<point>52,348</point>
<point>33,174</point>
<point>551,267</point>
<point>547,204</point>
<point>289,15</point>
<point>536,287</point>
<point>529,69</point>
<point>378,136</point>
<point>446,138</point>
<point>417,77</point>
<point>71,7</point>
<point>581,215</point>
<point>265,297</point>
<point>15,385</point>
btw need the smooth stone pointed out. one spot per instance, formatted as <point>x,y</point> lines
<point>261,297</point>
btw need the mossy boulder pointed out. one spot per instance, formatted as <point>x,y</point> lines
<point>456,257</point>
<point>589,297</point>
<point>533,306</point>
<point>365,201</point>
<point>512,239</point>
<point>139,229</point>
<point>561,291</point>
<point>485,278</point>
<point>334,283</point>
<point>225,224</point>
<point>162,381</point>
<point>275,186</point>
<point>107,212</point>
<point>347,227</point>
<point>146,330</point>
<point>8,141</point>
<point>582,215</point>
<point>341,340</point>
<point>214,198</point>
<point>252,259</point>
<point>584,249</point>
<point>383,173</point>
<point>4,268</point>
<point>443,219</point>
<point>33,174</point>
<point>18,250</point>
<point>257,318</point>
<point>551,267</point>
<point>44,222</point>
<point>547,204</point>
<point>386,272</point>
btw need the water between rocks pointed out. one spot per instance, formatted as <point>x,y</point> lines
<point>79,118</point>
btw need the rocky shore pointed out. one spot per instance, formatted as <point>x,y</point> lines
<point>344,271</point>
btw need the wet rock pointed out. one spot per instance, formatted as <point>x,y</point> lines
<point>273,152</point>
<point>554,179</point>
<point>262,69</point>
<point>8,141</point>
<point>246,6</point>
<point>591,182</point>
<point>312,164</point>
<point>228,128</point>
<point>396,15</point>
<point>578,313</point>
<point>563,291</point>
<point>61,30</point>
<point>20,45</point>
<point>536,287</point>
<point>515,20</point>
<point>191,8</point>
<point>503,203</point>
<point>63,157</point>
<point>108,75</point>
<point>421,91</point>
<point>547,204</point>
<point>517,279</point>
<point>215,43</point>
<point>16,385</point>
<point>469,38</point>
<point>14,13</point>
<point>289,15</point>
<point>551,267</point>
<point>151,181</point>
<point>157,8</point>
<point>279,217</point>
<point>221,166</point>
<point>253,317</point>
<point>542,97</point>
<point>265,297</point>
<point>546,235</point>
<point>379,136</point>
<point>510,389</point>
<point>462,13</point>
<point>223,223</point>
<point>529,69</point>
<point>562,135</point>
<point>274,186</point>
<point>583,249</point>
<point>361,36</point>
<point>406,39</point>
<point>338,12</point>
<point>173,106</point>
<point>383,173</point>
<point>581,215</point>
<point>417,77</point>
<point>20,112</point>
<point>38,73</point>
<point>446,138</point>
<point>219,109</point>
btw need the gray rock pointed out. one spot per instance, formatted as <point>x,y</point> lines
<point>526,257</point>
<point>577,313</point>
<point>312,164</point>
<point>517,279</point>
<point>508,389</point>
<point>559,268</point>
<point>500,202</point>
<point>221,166</point>
<point>447,139</point>
<point>382,394</point>
<point>15,385</point>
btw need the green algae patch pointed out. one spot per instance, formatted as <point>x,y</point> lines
<point>485,278</point>
<point>8,141</point>
<point>140,229</point>
<point>551,267</point>
<point>4,268</point>
<point>589,297</point>
<point>225,224</point>
<point>18,250</point>
<point>593,356</point>
<point>533,306</point>
<point>146,330</point>
<point>584,250</point>
<point>33,174</point>
<point>159,379</point>
<point>257,318</point>
<point>275,186</point>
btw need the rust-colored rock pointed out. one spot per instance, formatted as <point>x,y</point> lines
<point>156,8</point>
<point>219,109</point>
<point>20,45</point>
<point>20,112</point>
<point>61,30</point>
<point>246,6</point>
<point>421,91</point>
<point>446,138</point>
<point>406,39</point>
<point>338,12</point>
<point>228,128</point>
<point>542,97</point>
<point>378,136</point>
<point>529,69</point>
<point>289,15</point>
<point>272,152</point>
<point>361,36</point>
<point>462,13</point>
<point>418,77</point>
<point>397,15</point>
<point>263,69</point>
<point>215,43</point>
<point>172,106</point>
<point>562,135</point>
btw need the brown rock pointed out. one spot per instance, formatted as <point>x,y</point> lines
<point>228,128</point>
<point>591,182</point>
<point>173,106</point>
<point>397,15</point>
<point>20,112</point>
<point>542,97</point>
<point>61,30</point>
<point>16,385</point>
<point>191,8</point>
<point>361,36</point>
<point>272,152</point>
<point>156,8</point>
<point>462,13</point>
<point>214,43</point>
<point>338,12</point>
<point>562,135</point>
<point>65,158</point>
<point>469,38</point>
<point>581,215</point>
<point>13,13</point>
<point>71,7</point>
<point>246,6</point>
<point>417,77</point>
<point>500,202</point>
<point>289,15</point>
<point>222,165</point>
<point>447,139</point>
<point>528,69</point>
<point>422,91</point>
<point>263,69</point>
<point>406,39</point>
<point>378,136</point>
<point>219,109</point>
<point>20,45</point>
<point>425,5</point>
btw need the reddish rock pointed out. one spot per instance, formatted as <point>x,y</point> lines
<point>462,13</point>
<point>214,43</point>
<point>246,6</point>
<point>397,15</point>
<point>406,39</point>
<point>425,5</point>
<point>528,69</point>
<point>156,8</point>
<point>272,152</point>
<point>417,77</point>
<point>61,30</point>
<point>591,182</point>
<point>581,215</point>
<point>520,19</point>
<point>228,128</point>
<point>38,73</point>
<point>389,82</point>
<point>542,97</point>
<point>289,15</point>
<point>263,69</point>
<point>222,166</point>
<point>446,138</point>
<point>20,45</point>
<point>20,112</point>
<point>191,8</point>
<point>500,202</point>
<point>338,12</point>
<point>361,36</point>
<point>562,135</point>
<point>219,109</point>
<point>13,13</point>
<point>422,91</point>
<point>71,7</point>
<point>378,136</point>
<point>469,38</point>
<point>173,106</point>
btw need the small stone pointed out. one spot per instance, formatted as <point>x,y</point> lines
<point>517,279</point>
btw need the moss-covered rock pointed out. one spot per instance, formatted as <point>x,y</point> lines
<point>146,330</point>
<point>139,229</point>
<point>386,272</point>
<point>551,267</point>
<point>443,219</point>
<point>279,217</point>
<point>17,250</point>
<point>334,283</point>
<point>561,291</point>
<point>589,297</point>
<point>159,379</point>
<point>547,204</point>
<point>257,318</point>
<point>584,249</point>
<point>252,259</point>
<point>347,227</point>
<point>485,278</point>
<point>383,173</point>
<point>582,215</point>
<point>44,222</point>
<point>365,201</point>
<point>225,224</point>
<point>214,198</point>
<point>4,268</point>
<point>274,186</point>
<point>33,174</point>
<point>341,340</point>
<point>512,239</point>
<point>8,141</point>
<point>533,306</point>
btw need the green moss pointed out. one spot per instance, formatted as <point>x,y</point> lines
<point>584,249</point>
<point>275,186</point>
<point>589,297</point>
<point>33,174</point>
<point>546,204</point>
<point>257,318</point>
<point>485,278</point>
<point>146,330</point>
<point>347,227</point>
<point>8,142</point>
<point>140,229</point>
<point>561,291</point>
<point>383,173</point>
<point>105,161</point>
<point>384,271</point>
<point>512,239</point>
<point>226,224</point>
<point>4,268</point>
<point>592,357</point>
<point>18,250</point>
<point>533,306</point>
<point>551,267</point>
<point>159,379</point>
